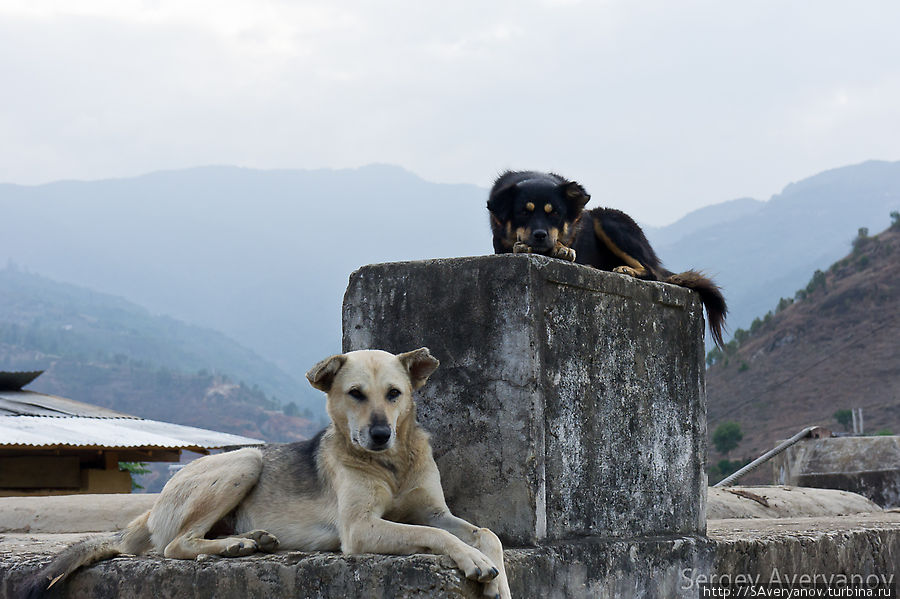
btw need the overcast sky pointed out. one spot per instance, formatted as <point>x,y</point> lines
<point>657,107</point>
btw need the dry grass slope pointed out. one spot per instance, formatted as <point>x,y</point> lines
<point>835,347</point>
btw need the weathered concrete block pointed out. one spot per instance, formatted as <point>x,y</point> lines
<point>869,466</point>
<point>569,401</point>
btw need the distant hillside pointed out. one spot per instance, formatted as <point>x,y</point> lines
<point>702,218</point>
<point>834,347</point>
<point>263,256</point>
<point>759,252</point>
<point>104,350</point>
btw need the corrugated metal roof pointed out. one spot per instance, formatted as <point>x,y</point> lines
<point>42,421</point>
<point>50,432</point>
<point>30,403</point>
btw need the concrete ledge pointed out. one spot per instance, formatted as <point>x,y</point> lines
<point>588,568</point>
<point>865,544</point>
<point>72,513</point>
<point>102,513</point>
<point>784,502</point>
<point>282,575</point>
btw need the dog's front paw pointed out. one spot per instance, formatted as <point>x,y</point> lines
<point>563,253</point>
<point>495,590</point>
<point>520,247</point>
<point>489,544</point>
<point>264,541</point>
<point>475,564</point>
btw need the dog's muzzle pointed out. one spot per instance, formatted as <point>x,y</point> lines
<point>540,242</point>
<point>380,437</point>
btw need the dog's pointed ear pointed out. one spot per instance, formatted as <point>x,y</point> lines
<point>321,376</point>
<point>500,202</point>
<point>576,197</point>
<point>419,363</point>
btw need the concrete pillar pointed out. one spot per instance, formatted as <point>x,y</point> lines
<point>569,401</point>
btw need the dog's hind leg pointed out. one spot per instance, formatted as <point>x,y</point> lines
<point>638,273</point>
<point>240,544</point>
<point>265,541</point>
<point>199,496</point>
<point>624,240</point>
<point>189,546</point>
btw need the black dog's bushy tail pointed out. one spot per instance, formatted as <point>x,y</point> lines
<point>134,539</point>
<point>710,295</point>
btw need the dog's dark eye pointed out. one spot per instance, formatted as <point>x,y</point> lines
<point>357,394</point>
<point>393,394</point>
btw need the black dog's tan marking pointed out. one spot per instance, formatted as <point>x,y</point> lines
<point>634,268</point>
<point>604,238</point>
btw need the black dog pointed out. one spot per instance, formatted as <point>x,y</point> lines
<point>544,213</point>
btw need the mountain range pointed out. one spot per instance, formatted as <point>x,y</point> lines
<point>264,256</point>
<point>761,251</point>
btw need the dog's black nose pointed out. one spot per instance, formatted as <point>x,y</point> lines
<point>539,235</point>
<point>380,433</point>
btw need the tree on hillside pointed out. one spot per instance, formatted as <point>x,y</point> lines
<point>895,219</point>
<point>784,303</point>
<point>817,281</point>
<point>844,418</point>
<point>727,436</point>
<point>862,238</point>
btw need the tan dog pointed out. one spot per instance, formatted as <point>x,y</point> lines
<point>366,484</point>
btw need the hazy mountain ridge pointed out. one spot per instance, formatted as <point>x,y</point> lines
<point>59,317</point>
<point>103,349</point>
<point>703,218</point>
<point>834,348</point>
<point>769,252</point>
<point>262,256</point>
